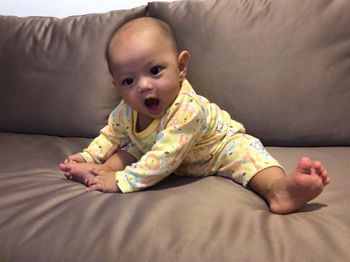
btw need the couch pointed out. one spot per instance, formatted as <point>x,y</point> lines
<point>280,67</point>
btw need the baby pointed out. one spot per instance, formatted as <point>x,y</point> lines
<point>162,126</point>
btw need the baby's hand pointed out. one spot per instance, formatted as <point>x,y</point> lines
<point>102,181</point>
<point>76,158</point>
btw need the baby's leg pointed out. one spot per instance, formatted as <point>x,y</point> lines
<point>287,193</point>
<point>81,172</point>
<point>118,161</point>
<point>246,161</point>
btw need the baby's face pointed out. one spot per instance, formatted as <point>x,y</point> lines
<point>146,69</point>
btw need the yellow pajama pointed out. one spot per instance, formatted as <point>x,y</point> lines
<point>193,138</point>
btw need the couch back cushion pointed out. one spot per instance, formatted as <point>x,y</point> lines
<point>53,75</point>
<point>280,67</point>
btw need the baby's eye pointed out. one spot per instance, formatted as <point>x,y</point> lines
<point>128,81</point>
<point>155,70</point>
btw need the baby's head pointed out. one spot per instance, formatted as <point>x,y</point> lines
<point>146,66</point>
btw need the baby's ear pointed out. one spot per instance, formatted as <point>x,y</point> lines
<point>184,58</point>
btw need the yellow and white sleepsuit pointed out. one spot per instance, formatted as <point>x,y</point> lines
<point>193,138</point>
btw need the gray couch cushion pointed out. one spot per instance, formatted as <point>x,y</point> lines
<point>54,78</point>
<point>280,67</point>
<point>45,217</point>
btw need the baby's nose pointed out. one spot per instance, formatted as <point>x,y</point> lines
<point>145,84</point>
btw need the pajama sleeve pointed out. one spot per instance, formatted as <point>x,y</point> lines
<point>171,147</point>
<point>112,137</point>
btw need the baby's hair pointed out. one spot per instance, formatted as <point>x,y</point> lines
<point>169,33</point>
<point>163,26</point>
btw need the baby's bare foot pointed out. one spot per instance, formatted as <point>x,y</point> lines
<point>292,192</point>
<point>79,172</point>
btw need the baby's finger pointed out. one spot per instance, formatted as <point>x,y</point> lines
<point>97,186</point>
<point>95,172</point>
<point>92,180</point>
<point>89,181</point>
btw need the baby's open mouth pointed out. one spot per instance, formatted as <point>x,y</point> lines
<point>151,103</point>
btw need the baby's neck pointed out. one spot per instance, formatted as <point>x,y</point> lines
<point>142,122</point>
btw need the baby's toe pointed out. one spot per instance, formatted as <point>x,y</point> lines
<point>317,166</point>
<point>325,177</point>
<point>63,167</point>
<point>305,165</point>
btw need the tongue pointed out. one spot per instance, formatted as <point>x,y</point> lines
<point>152,102</point>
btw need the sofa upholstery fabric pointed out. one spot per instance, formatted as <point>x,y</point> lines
<point>280,67</point>
<point>45,217</point>
<point>54,78</point>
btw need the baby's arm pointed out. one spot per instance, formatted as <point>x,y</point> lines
<point>112,137</point>
<point>170,149</point>
<point>76,158</point>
